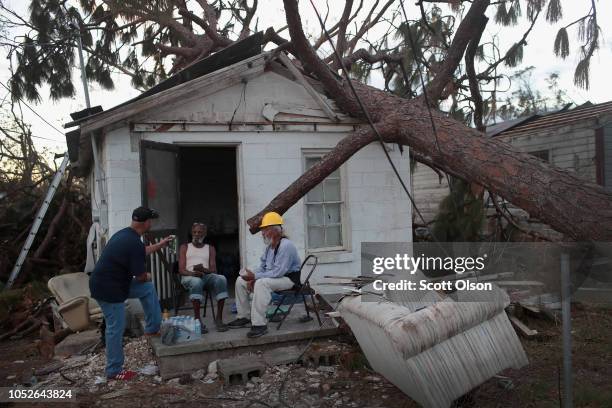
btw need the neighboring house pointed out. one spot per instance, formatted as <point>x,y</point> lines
<point>218,141</point>
<point>578,140</point>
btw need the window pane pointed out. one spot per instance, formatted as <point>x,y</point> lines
<point>323,209</point>
<point>315,195</point>
<point>310,161</point>
<point>332,190</point>
<point>542,155</point>
<point>333,236</point>
<point>315,237</point>
<point>315,214</point>
<point>332,214</point>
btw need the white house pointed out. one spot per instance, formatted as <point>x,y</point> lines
<point>218,141</point>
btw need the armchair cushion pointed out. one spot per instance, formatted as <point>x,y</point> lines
<point>75,313</point>
<point>76,306</point>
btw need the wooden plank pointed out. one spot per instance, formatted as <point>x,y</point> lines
<point>315,95</point>
<point>530,308</point>
<point>520,283</point>
<point>522,328</point>
<point>202,86</point>
<point>544,139</point>
<point>557,144</point>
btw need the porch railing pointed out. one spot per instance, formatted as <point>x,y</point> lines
<point>162,278</point>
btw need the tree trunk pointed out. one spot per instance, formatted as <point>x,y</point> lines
<point>571,205</point>
<point>582,210</point>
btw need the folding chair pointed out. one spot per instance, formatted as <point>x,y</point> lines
<point>302,290</point>
<point>179,292</point>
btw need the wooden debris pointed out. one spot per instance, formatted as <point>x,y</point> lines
<point>520,283</point>
<point>51,368</point>
<point>522,328</point>
<point>531,309</point>
<point>46,346</point>
<point>115,394</point>
<point>358,282</point>
<point>314,94</point>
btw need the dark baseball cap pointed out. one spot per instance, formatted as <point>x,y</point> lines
<point>141,214</point>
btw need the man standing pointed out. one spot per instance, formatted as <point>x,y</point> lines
<point>199,273</point>
<point>279,270</point>
<point>119,275</point>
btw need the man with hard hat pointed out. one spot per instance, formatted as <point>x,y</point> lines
<point>279,269</point>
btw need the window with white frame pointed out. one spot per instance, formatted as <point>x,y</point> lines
<point>324,210</point>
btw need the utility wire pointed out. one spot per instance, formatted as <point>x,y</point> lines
<point>366,113</point>
<point>240,100</point>
<point>420,72</point>
<point>19,133</point>
<point>371,123</point>
<point>34,112</point>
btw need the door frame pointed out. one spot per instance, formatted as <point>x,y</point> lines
<point>238,146</point>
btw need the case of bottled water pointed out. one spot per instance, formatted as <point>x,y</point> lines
<point>188,328</point>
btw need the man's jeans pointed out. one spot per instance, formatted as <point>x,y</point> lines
<point>211,282</point>
<point>114,315</point>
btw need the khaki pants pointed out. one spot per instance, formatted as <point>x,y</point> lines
<point>262,294</point>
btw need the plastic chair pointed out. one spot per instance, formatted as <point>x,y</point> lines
<point>302,290</point>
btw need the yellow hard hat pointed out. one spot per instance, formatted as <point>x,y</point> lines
<point>271,218</point>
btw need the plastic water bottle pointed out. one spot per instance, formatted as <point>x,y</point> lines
<point>189,327</point>
<point>197,328</point>
<point>173,245</point>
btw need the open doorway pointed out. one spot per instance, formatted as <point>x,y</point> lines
<point>209,194</point>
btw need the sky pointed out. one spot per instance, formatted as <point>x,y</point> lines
<point>538,53</point>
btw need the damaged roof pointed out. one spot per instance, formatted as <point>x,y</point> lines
<point>79,146</point>
<point>556,120</point>
<point>239,51</point>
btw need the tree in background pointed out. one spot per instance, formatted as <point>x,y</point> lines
<point>527,101</point>
<point>25,174</point>
<point>150,39</point>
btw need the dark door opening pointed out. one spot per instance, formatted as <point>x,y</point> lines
<point>209,194</point>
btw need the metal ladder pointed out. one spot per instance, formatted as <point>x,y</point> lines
<point>40,215</point>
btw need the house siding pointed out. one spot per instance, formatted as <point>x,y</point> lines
<point>571,148</point>
<point>429,190</point>
<point>607,159</point>
<point>377,208</point>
